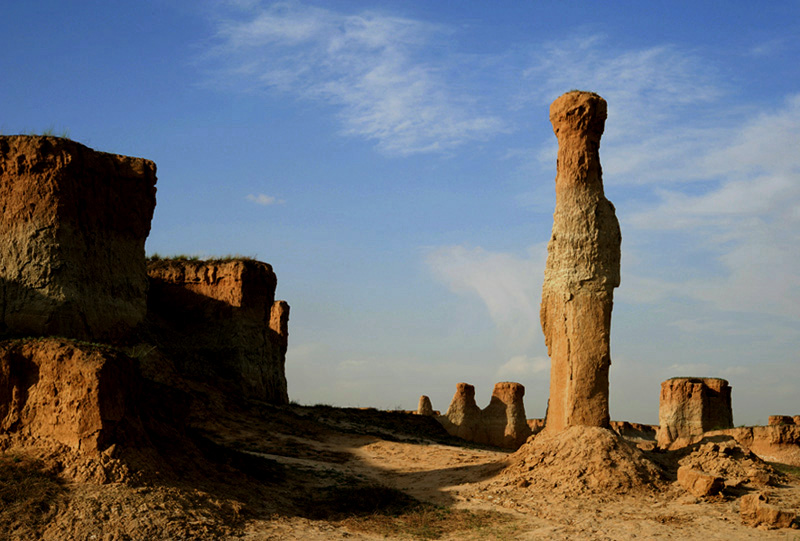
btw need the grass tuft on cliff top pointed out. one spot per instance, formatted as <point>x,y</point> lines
<point>186,257</point>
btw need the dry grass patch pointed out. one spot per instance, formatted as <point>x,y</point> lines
<point>389,512</point>
<point>28,497</point>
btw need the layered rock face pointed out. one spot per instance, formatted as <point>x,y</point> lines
<point>221,320</point>
<point>582,269</point>
<point>72,236</point>
<point>504,418</point>
<point>502,423</point>
<point>78,395</point>
<point>689,407</point>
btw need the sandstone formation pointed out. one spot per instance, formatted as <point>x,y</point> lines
<point>219,319</point>
<point>73,229</point>
<point>699,483</point>
<point>778,420</point>
<point>634,431</point>
<point>689,407</point>
<point>502,423</point>
<point>779,443</point>
<point>755,511</point>
<point>504,418</point>
<point>81,396</point>
<point>536,425</point>
<point>582,269</point>
<point>463,417</point>
<point>425,407</point>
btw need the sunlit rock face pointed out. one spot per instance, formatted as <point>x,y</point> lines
<point>690,407</point>
<point>582,269</point>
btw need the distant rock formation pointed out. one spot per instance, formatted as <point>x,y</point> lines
<point>504,418</point>
<point>690,407</point>
<point>778,420</point>
<point>425,407</point>
<point>219,319</point>
<point>778,443</point>
<point>463,417</point>
<point>72,236</point>
<point>79,395</point>
<point>582,269</point>
<point>502,423</point>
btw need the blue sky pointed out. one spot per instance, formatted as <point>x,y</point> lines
<point>394,162</point>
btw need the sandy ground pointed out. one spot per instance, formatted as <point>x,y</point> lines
<point>467,477</point>
<point>259,472</point>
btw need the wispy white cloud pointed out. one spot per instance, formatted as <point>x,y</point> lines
<point>509,286</point>
<point>264,199</point>
<point>750,219</point>
<point>369,65</point>
<point>521,367</point>
<point>646,89</point>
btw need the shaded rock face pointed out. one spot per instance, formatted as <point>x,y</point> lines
<point>221,320</point>
<point>689,407</point>
<point>78,395</point>
<point>502,423</point>
<point>582,269</point>
<point>778,420</point>
<point>504,418</point>
<point>72,234</point>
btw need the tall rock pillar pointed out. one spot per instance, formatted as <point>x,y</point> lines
<point>582,269</point>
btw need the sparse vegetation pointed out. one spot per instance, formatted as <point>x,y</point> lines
<point>48,132</point>
<point>186,257</point>
<point>786,469</point>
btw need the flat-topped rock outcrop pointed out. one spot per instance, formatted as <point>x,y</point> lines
<point>220,319</point>
<point>79,395</point>
<point>690,407</point>
<point>583,258</point>
<point>72,234</point>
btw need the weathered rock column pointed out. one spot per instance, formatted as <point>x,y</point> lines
<point>689,407</point>
<point>463,417</point>
<point>582,269</point>
<point>504,418</point>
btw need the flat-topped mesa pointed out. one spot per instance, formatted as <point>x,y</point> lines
<point>72,234</point>
<point>220,319</point>
<point>689,407</point>
<point>463,417</point>
<point>504,418</point>
<point>582,269</point>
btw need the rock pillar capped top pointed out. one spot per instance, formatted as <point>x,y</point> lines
<point>582,268</point>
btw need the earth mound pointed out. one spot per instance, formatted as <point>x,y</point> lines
<point>733,463</point>
<point>582,460</point>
